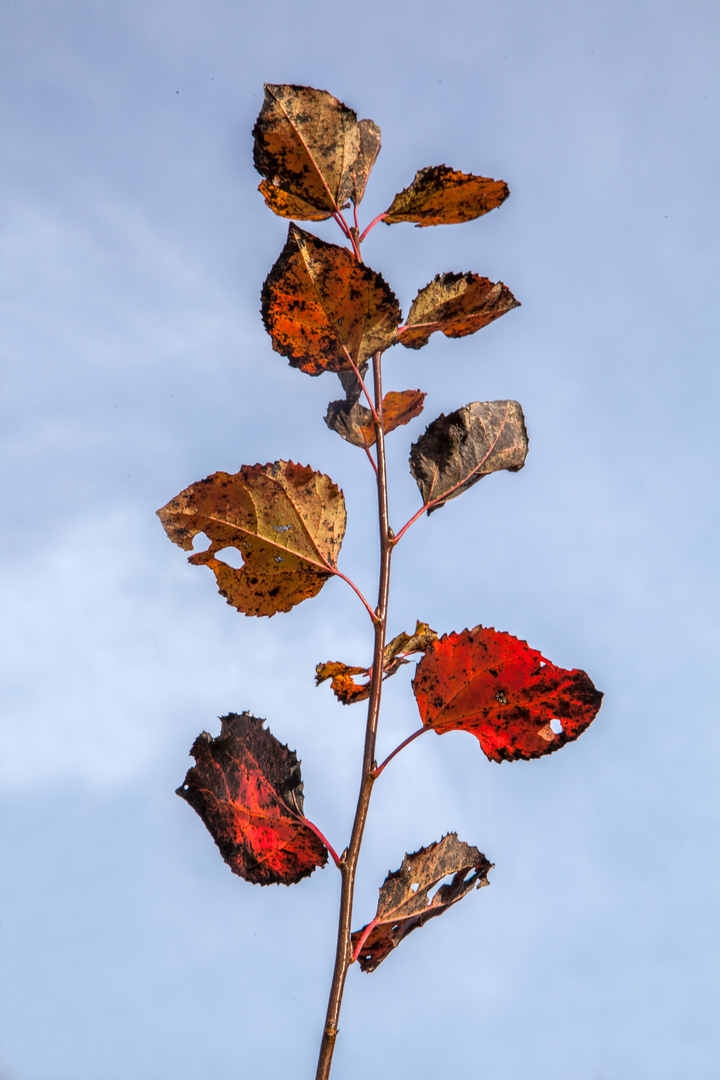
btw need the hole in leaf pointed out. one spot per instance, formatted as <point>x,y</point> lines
<point>414,887</point>
<point>282,528</point>
<point>232,557</point>
<point>556,725</point>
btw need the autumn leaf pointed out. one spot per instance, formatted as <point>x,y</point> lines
<point>287,521</point>
<point>459,449</point>
<point>246,788</point>
<point>344,686</point>
<point>405,902</point>
<point>513,700</point>
<point>443,196</point>
<point>312,151</point>
<point>457,305</point>
<point>353,422</point>
<point>324,309</point>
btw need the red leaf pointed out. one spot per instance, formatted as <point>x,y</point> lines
<point>246,787</point>
<point>456,305</point>
<point>405,903</point>
<point>504,693</point>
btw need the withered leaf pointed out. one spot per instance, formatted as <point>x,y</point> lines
<point>287,521</point>
<point>354,422</point>
<point>457,305</point>
<point>459,449</point>
<point>405,902</point>
<point>442,196</point>
<point>347,690</point>
<point>312,151</point>
<point>246,788</point>
<point>324,309</point>
<point>513,700</point>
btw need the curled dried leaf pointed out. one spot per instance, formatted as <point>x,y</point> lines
<point>442,196</point>
<point>354,423</point>
<point>324,309</point>
<point>312,151</point>
<point>344,686</point>
<point>405,902</point>
<point>456,305</point>
<point>459,449</point>
<point>286,520</point>
<point>514,701</point>
<point>247,789</point>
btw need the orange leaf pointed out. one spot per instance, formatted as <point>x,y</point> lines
<point>287,521</point>
<point>459,449</point>
<point>405,903</point>
<point>246,788</point>
<point>457,305</point>
<point>442,196</point>
<point>324,309</point>
<point>313,152</point>
<point>355,423</point>
<point>344,686</point>
<point>504,693</point>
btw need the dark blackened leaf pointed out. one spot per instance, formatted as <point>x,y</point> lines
<point>405,902</point>
<point>443,196</point>
<point>457,305</point>
<point>504,693</point>
<point>246,788</point>
<point>312,151</point>
<point>459,449</point>
<point>286,520</point>
<point>354,422</point>
<point>324,309</point>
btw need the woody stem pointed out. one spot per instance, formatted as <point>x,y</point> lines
<point>349,862</point>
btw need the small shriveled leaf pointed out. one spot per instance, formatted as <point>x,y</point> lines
<point>442,196</point>
<point>513,700</point>
<point>246,788</point>
<point>457,305</point>
<point>312,151</point>
<point>459,449</point>
<point>324,309</point>
<point>405,902</point>
<point>347,690</point>
<point>354,422</point>
<point>287,521</point>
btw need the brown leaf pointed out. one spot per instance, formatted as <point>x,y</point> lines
<point>313,152</point>
<point>459,449</point>
<point>457,305</point>
<point>504,693</point>
<point>287,521</point>
<point>344,686</point>
<point>323,308</point>
<point>443,196</point>
<point>405,902</point>
<point>247,790</point>
<point>353,422</point>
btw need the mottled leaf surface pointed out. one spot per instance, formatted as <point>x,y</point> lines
<point>456,305</point>
<point>246,788</point>
<point>354,422</point>
<point>312,151</point>
<point>348,690</point>
<point>405,901</point>
<point>504,693</point>
<point>287,521</point>
<point>459,449</point>
<point>442,196</point>
<point>324,309</point>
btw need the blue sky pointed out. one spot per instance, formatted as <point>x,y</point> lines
<point>134,362</point>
